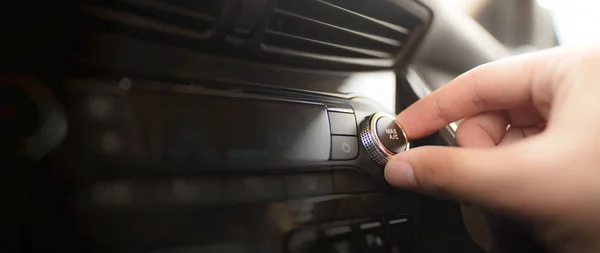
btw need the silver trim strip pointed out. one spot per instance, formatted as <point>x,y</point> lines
<point>396,28</point>
<point>339,110</point>
<point>397,221</point>
<point>417,84</point>
<point>365,52</point>
<point>370,225</point>
<point>385,40</point>
<point>338,230</point>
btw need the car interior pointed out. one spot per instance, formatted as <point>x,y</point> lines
<point>234,126</point>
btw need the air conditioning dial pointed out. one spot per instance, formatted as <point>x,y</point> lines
<point>382,137</point>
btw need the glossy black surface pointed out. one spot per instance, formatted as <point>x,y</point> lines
<point>208,130</point>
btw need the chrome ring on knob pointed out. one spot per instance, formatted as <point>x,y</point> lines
<point>370,139</point>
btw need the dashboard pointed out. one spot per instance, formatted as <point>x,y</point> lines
<point>215,126</point>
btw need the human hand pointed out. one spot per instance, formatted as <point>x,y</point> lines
<point>530,143</point>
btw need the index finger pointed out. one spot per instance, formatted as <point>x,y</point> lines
<point>499,85</point>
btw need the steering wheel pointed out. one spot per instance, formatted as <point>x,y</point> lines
<point>455,44</point>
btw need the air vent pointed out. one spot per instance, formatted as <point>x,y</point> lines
<point>189,18</point>
<point>366,32</point>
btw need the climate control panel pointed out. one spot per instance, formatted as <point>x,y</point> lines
<point>273,164</point>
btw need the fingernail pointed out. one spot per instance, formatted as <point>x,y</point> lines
<point>400,173</point>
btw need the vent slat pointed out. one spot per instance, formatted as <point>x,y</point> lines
<point>132,19</point>
<point>394,27</point>
<point>360,61</point>
<point>353,30</point>
<point>174,8</point>
<point>315,31</point>
<point>384,10</point>
<point>325,47</point>
<point>209,8</point>
<point>389,41</point>
<point>195,19</point>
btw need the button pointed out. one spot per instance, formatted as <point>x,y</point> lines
<point>100,108</point>
<point>344,240</point>
<point>352,181</point>
<point>370,225</point>
<point>344,147</point>
<point>203,191</point>
<point>342,123</point>
<point>218,247</point>
<point>382,137</point>
<point>336,231</point>
<point>114,140</point>
<point>301,240</point>
<point>400,230</point>
<point>390,135</point>
<point>318,183</point>
<point>118,193</point>
<point>378,241</point>
<point>104,108</point>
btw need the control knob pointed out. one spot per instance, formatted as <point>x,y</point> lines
<point>382,137</point>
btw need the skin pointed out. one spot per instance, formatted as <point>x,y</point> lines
<point>529,144</point>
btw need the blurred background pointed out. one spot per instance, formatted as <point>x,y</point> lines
<point>524,25</point>
<point>457,42</point>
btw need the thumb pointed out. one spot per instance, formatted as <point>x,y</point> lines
<point>483,176</point>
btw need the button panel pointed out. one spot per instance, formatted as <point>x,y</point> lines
<point>344,136</point>
<point>372,235</point>
<point>206,191</point>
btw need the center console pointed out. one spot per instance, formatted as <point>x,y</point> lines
<point>254,168</point>
<point>227,126</point>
